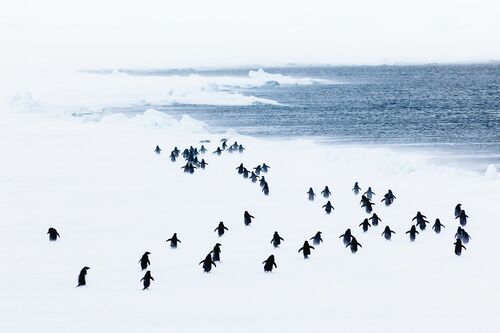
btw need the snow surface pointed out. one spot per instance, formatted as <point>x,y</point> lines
<point>111,199</point>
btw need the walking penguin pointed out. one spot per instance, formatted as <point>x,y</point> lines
<point>276,241</point>
<point>306,249</point>
<point>53,234</point>
<point>311,194</point>
<point>247,218</point>
<point>387,233</point>
<point>173,241</point>
<point>413,233</point>
<point>220,229</point>
<point>317,238</point>
<point>207,263</point>
<point>147,280</point>
<point>269,263</point>
<point>144,261</point>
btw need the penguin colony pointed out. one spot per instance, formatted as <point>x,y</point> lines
<point>192,157</point>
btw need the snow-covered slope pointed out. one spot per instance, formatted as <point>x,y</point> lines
<point>111,199</point>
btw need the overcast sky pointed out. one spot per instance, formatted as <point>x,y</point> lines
<point>175,33</point>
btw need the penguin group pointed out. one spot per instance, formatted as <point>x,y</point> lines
<point>256,174</point>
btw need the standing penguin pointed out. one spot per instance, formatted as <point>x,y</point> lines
<point>317,238</point>
<point>458,209</point>
<point>203,150</point>
<point>369,193</point>
<point>353,244</point>
<point>347,236</point>
<point>203,164</point>
<point>311,194</point>
<point>147,280</point>
<point>157,150</point>
<point>356,188</point>
<point>81,276</point>
<point>421,220</point>
<point>375,219</point>
<point>247,218</point>
<point>241,149</point>
<point>144,261</point>
<point>306,249</point>
<point>328,207</point>
<point>216,252</point>
<point>53,234</point>
<point>458,247</point>
<point>173,241</point>
<point>388,198</point>
<point>413,233</point>
<point>437,226</point>
<point>326,192</point>
<point>220,228</point>
<point>265,168</point>
<point>176,152</point>
<point>387,233</point>
<point>269,263</point>
<point>462,218</point>
<point>276,241</point>
<point>265,189</point>
<point>365,224</point>
<point>218,151</point>
<point>207,263</point>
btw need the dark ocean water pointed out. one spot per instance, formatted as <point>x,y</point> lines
<point>452,110</point>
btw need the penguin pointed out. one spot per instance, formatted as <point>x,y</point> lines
<point>262,181</point>
<point>203,164</point>
<point>157,150</point>
<point>230,149</point>
<point>220,229</point>
<point>458,247</point>
<point>276,241</point>
<point>241,149</point>
<point>235,145</point>
<point>265,168</point>
<point>207,263</point>
<point>218,151</point>
<point>224,144</point>
<point>317,238</point>
<point>462,218</point>
<point>413,233</point>
<point>176,152</point>
<point>458,209</point>
<point>375,219</point>
<point>185,153</point>
<point>328,207</point>
<point>306,249</point>
<point>421,220</point>
<point>81,276</point>
<point>326,192</point>
<point>247,218</point>
<point>240,168</point>
<point>368,206</point>
<point>462,235</point>
<point>369,193</point>
<point>363,200</point>
<point>353,244</point>
<point>203,150</point>
<point>258,169</point>
<point>265,189</point>
<point>269,263</point>
<point>147,280</point>
<point>254,177</point>
<point>365,224</point>
<point>245,173</point>
<point>173,241</point>
<point>144,261</point>
<point>172,157</point>
<point>356,188</point>
<point>437,226</point>
<point>387,233</point>
<point>347,236</point>
<point>216,252</point>
<point>388,198</point>
<point>311,194</point>
<point>53,234</point>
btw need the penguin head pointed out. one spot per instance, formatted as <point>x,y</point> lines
<point>271,257</point>
<point>147,253</point>
<point>218,244</point>
<point>175,234</point>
